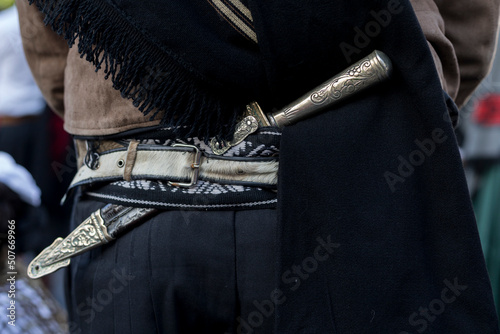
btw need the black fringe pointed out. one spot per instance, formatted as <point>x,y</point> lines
<point>157,81</point>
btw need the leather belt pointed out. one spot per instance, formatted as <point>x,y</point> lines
<point>181,165</point>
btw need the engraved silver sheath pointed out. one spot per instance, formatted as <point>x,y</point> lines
<point>103,226</point>
<point>375,68</point>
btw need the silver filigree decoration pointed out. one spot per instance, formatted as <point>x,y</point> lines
<point>354,79</point>
<point>89,234</point>
<point>247,126</point>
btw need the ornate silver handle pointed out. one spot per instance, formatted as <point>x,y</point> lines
<point>375,68</point>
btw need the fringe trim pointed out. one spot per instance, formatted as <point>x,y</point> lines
<point>157,80</point>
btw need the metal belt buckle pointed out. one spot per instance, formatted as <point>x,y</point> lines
<point>195,166</point>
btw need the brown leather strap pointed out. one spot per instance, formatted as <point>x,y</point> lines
<point>130,160</point>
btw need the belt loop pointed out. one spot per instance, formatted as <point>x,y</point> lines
<point>130,160</point>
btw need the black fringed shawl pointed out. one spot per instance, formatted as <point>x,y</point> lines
<point>403,233</point>
<point>173,57</point>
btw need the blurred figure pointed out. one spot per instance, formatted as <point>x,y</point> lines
<point>481,152</point>
<point>36,310</point>
<point>21,107</point>
<point>20,98</point>
<point>33,136</point>
<point>487,197</point>
<point>29,132</point>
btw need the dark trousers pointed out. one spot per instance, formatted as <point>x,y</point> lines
<point>180,272</point>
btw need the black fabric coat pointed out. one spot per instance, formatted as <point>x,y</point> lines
<point>377,233</point>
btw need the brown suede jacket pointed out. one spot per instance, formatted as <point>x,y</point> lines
<point>461,35</point>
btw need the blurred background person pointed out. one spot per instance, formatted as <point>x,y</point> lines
<point>22,106</point>
<point>36,310</point>
<point>480,144</point>
<point>33,136</point>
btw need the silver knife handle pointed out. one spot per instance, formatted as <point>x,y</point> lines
<point>375,68</point>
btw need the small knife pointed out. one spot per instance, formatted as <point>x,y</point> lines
<point>367,72</point>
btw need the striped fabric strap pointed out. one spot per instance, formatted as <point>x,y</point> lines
<point>237,15</point>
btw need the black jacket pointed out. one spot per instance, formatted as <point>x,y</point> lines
<point>377,233</point>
